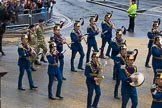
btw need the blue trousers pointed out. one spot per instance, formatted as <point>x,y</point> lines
<point>80,60</point>
<point>156,104</point>
<point>50,84</point>
<point>89,51</point>
<point>22,69</point>
<point>148,56</point>
<point>91,87</point>
<point>125,98</point>
<point>103,46</point>
<point>117,84</point>
<point>61,60</point>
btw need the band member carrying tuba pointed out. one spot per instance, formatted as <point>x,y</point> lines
<point>25,52</point>
<point>92,70</point>
<point>156,90</point>
<point>106,34</point>
<point>128,91</point>
<point>151,35</point>
<point>156,51</point>
<point>116,43</point>
<point>54,71</point>
<point>76,46</point>
<point>92,31</point>
<point>119,61</point>
<point>59,40</point>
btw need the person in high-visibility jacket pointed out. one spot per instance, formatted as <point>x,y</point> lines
<point>132,10</point>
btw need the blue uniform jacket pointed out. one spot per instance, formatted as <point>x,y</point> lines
<point>157,97</point>
<point>115,45</point>
<point>76,42</point>
<point>126,88</point>
<point>106,31</point>
<point>119,60</point>
<point>53,65</point>
<point>91,37</point>
<point>157,57</point>
<point>24,55</point>
<point>151,37</point>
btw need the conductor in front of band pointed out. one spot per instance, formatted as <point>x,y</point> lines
<point>91,72</point>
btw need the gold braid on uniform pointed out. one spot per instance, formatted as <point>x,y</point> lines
<point>127,73</point>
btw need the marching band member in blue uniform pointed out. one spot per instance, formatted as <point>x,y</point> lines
<point>151,35</point>
<point>92,31</point>
<point>93,68</point>
<point>119,61</point>
<point>54,71</point>
<point>76,46</point>
<point>156,90</point>
<point>128,91</point>
<point>157,55</point>
<point>59,40</point>
<point>25,51</point>
<point>106,35</point>
<point>116,43</point>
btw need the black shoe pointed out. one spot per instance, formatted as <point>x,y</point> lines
<point>73,70</point>
<point>81,68</point>
<point>63,78</point>
<point>60,97</point>
<point>37,62</point>
<point>3,54</point>
<point>22,89</point>
<point>116,97</point>
<point>33,88</point>
<point>33,69</point>
<point>52,98</point>
<point>43,60</point>
<point>148,66</point>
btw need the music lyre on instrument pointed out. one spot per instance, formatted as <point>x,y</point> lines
<point>140,79</point>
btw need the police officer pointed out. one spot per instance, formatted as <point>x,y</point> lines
<point>119,61</point>
<point>59,40</point>
<point>116,43</point>
<point>93,68</point>
<point>54,71</point>
<point>92,31</point>
<point>157,55</point>
<point>151,35</point>
<point>128,91</point>
<point>156,90</point>
<point>106,34</point>
<point>41,40</point>
<point>76,46</point>
<point>132,14</point>
<point>25,51</point>
<point>33,42</point>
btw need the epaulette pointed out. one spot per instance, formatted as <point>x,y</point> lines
<point>20,45</point>
<point>119,55</point>
<point>122,66</point>
<point>88,64</point>
<point>73,31</point>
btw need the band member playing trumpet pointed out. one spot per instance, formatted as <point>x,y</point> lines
<point>156,90</point>
<point>25,51</point>
<point>106,34</point>
<point>116,43</point>
<point>59,40</point>
<point>92,70</point>
<point>151,35</point>
<point>128,91</point>
<point>54,71</point>
<point>76,46</point>
<point>157,55</point>
<point>92,31</point>
<point>119,61</point>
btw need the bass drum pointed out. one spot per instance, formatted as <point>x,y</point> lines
<point>140,80</point>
